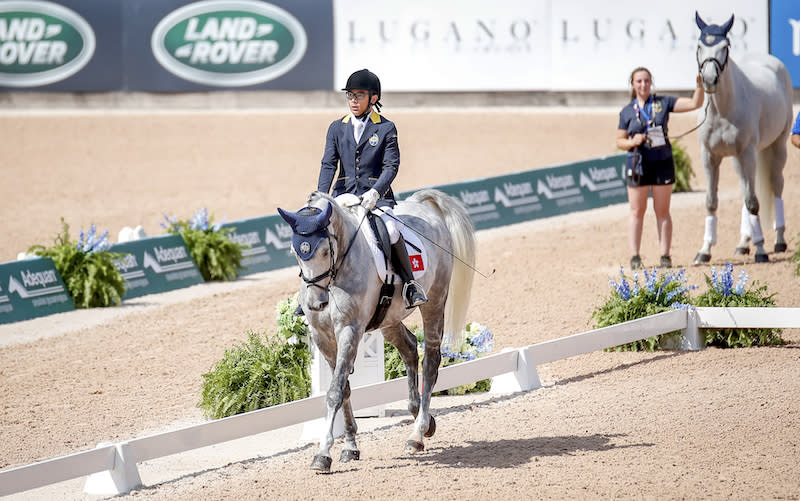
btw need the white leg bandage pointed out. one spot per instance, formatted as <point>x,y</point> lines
<point>711,230</point>
<point>780,222</point>
<point>755,229</point>
<point>744,229</point>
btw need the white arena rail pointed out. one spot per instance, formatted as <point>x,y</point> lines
<point>510,370</point>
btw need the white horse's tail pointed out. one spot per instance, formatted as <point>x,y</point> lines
<point>462,233</point>
<point>764,188</point>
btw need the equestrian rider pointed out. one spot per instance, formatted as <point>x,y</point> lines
<point>362,147</point>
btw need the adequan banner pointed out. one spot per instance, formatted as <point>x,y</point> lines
<point>533,194</point>
<point>156,264</point>
<point>31,288</point>
<point>269,241</point>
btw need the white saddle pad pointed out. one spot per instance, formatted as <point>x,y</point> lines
<point>418,258</point>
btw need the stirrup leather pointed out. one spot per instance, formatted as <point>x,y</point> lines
<point>419,296</point>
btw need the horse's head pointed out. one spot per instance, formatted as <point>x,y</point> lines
<point>313,248</point>
<point>712,51</point>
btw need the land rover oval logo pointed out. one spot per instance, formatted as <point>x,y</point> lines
<point>229,42</point>
<point>41,43</point>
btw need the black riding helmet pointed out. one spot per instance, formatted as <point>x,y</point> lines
<point>367,80</point>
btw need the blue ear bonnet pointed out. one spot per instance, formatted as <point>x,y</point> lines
<point>309,226</point>
<point>712,34</point>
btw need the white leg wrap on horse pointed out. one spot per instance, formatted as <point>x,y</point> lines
<point>711,230</point>
<point>744,229</point>
<point>755,229</point>
<point>780,222</point>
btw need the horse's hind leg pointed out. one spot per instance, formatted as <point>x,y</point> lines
<point>406,343</point>
<point>424,424</point>
<point>776,171</point>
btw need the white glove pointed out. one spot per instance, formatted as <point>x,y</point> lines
<point>369,199</point>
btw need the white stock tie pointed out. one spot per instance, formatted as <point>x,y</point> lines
<point>358,129</point>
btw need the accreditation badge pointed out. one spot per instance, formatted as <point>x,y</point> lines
<point>373,140</point>
<point>655,136</point>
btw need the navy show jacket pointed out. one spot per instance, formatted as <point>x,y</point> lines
<point>372,163</point>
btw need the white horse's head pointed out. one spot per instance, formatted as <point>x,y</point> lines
<point>313,246</point>
<point>712,51</point>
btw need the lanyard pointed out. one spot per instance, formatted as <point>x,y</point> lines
<point>643,111</point>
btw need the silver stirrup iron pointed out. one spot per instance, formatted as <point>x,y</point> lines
<point>419,289</point>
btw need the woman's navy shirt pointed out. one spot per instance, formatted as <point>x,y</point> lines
<point>634,122</point>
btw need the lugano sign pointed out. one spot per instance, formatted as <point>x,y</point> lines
<point>41,43</point>
<point>229,42</point>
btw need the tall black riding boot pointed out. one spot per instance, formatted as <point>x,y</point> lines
<point>413,293</point>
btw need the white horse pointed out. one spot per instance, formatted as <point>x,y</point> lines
<point>341,290</point>
<point>748,117</point>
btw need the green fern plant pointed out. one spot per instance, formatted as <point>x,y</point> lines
<point>86,266</point>
<point>683,168</point>
<point>261,372</point>
<point>217,256</point>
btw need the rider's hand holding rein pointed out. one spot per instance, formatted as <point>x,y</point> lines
<point>370,199</point>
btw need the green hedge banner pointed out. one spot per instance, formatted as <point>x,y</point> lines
<point>270,241</point>
<point>533,194</point>
<point>31,288</point>
<point>156,264</point>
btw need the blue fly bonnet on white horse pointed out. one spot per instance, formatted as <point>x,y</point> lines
<point>748,117</point>
<point>342,286</point>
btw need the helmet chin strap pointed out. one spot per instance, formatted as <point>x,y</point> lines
<point>365,114</point>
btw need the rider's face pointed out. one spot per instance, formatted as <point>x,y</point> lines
<point>359,100</point>
<point>641,84</point>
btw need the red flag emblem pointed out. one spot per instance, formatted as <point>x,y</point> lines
<point>416,262</point>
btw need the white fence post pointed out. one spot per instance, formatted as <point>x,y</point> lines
<point>691,338</point>
<point>524,378</point>
<point>122,478</point>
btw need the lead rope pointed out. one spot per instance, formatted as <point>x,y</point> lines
<point>705,114</point>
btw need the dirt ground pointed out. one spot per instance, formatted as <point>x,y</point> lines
<point>713,424</point>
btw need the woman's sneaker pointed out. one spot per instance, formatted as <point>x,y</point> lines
<point>666,261</point>
<point>636,262</point>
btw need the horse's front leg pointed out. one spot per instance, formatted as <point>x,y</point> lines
<point>338,396</point>
<point>745,167</point>
<point>711,166</point>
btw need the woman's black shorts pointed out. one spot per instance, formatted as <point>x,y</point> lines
<point>655,173</point>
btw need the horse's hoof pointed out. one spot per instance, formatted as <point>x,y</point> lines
<point>413,446</point>
<point>431,428</point>
<point>321,464</point>
<point>350,455</point>
<point>762,258</point>
<point>780,247</point>
<point>701,258</point>
<point>742,251</point>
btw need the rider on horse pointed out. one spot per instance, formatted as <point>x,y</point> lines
<point>362,147</point>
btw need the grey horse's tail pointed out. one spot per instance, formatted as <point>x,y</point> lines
<point>462,233</point>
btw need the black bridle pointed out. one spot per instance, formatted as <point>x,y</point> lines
<point>332,270</point>
<point>720,65</point>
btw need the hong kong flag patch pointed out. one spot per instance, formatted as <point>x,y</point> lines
<point>416,262</point>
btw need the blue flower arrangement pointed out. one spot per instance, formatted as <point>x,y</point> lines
<point>724,290</point>
<point>87,267</point>
<point>216,255</point>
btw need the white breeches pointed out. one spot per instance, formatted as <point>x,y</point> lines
<point>393,226</point>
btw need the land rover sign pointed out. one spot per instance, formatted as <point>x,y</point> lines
<point>229,42</point>
<point>41,43</point>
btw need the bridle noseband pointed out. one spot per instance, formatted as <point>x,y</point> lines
<point>720,65</point>
<point>332,270</point>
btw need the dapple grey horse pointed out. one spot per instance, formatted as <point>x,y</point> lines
<point>748,117</point>
<point>341,290</point>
